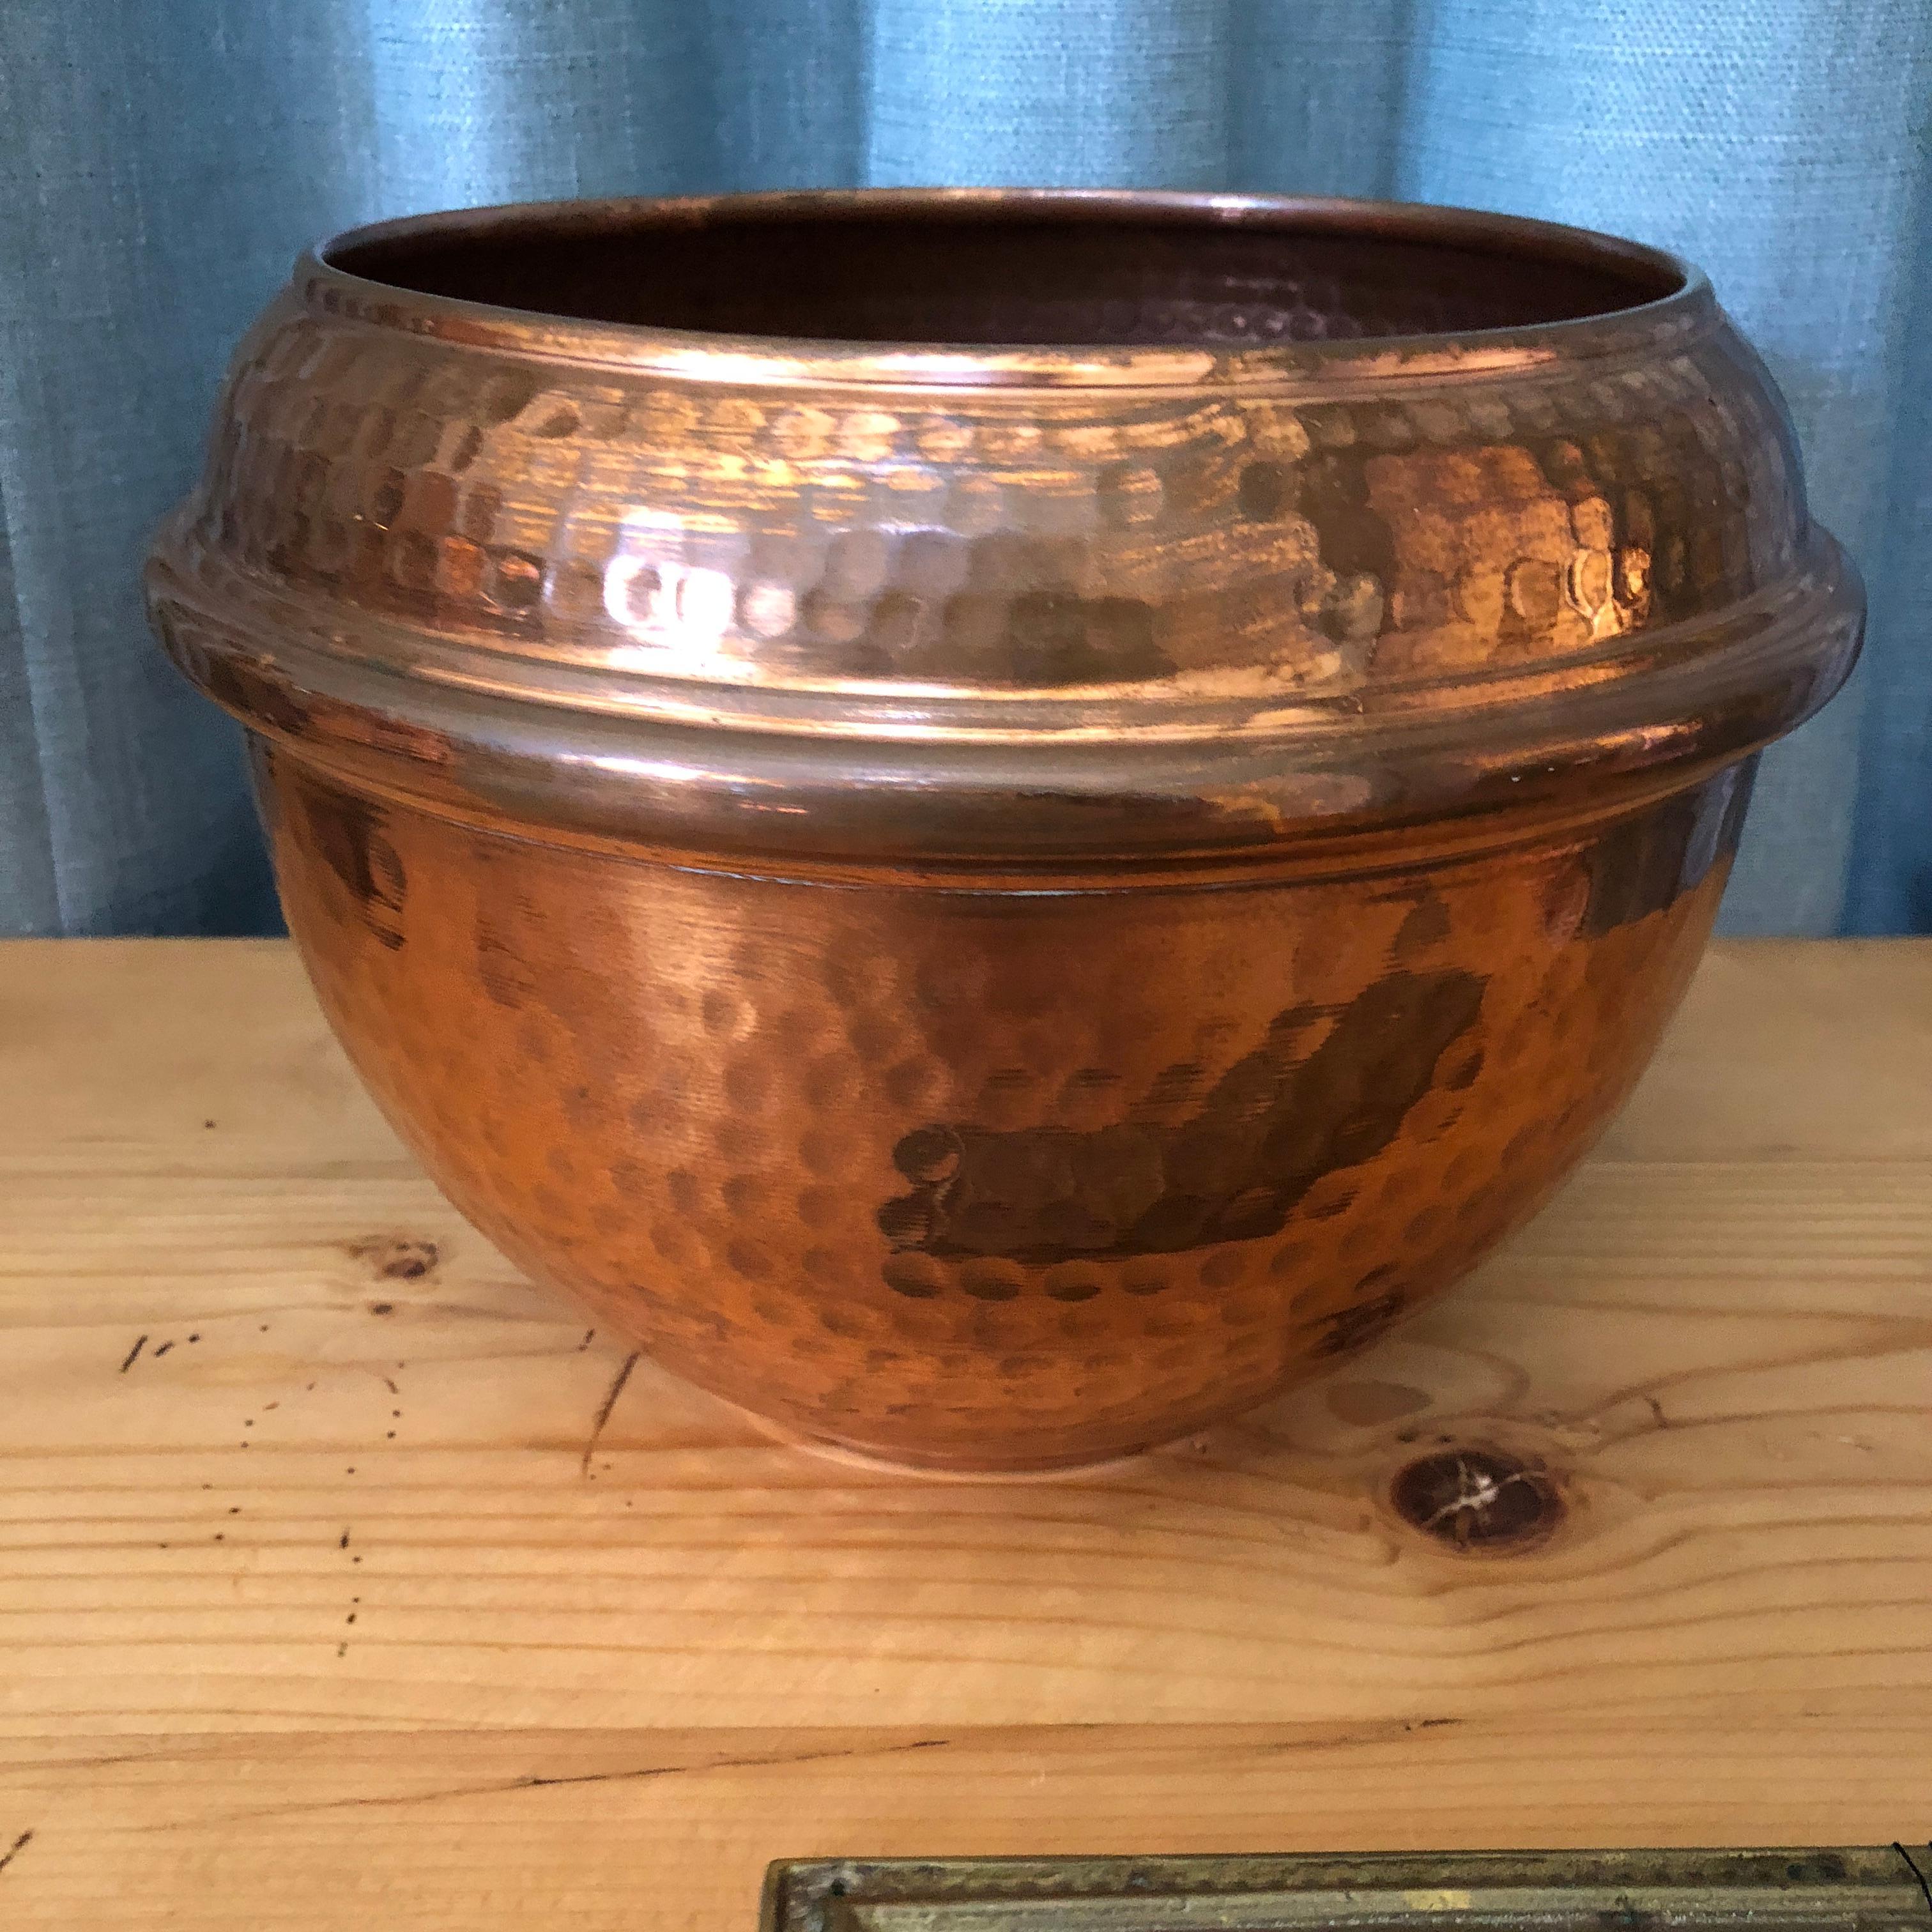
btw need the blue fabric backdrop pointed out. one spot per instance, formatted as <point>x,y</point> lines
<point>161,164</point>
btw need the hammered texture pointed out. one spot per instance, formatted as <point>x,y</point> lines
<point>1039,542</point>
<point>996,905</point>
<point>984,1179</point>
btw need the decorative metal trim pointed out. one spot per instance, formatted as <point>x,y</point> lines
<point>1845,1889</point>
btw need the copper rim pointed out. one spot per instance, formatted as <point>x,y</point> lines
<point>851,766</point>
<point>1685,306</point>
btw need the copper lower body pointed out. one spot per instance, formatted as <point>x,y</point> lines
<point>994,1180</point>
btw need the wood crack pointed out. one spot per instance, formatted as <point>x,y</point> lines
<point>534,1781</point>
<point>1384,1733</point>
<point>786,1758</point>
<point>609,1402</point>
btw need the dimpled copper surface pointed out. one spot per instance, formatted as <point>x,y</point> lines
<point>1049,541</point>
<point>970,1178</point>
<point>1000,822</point>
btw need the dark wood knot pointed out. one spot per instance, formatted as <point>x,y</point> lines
<point>1477,1499</point>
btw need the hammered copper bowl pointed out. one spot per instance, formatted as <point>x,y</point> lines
<point>999,822</point>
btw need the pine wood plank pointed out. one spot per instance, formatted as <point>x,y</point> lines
<point>257,1380</point>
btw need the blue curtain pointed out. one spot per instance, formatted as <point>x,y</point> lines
<point>160,165</point>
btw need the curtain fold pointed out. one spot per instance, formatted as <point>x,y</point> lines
<point>161,166</point>
<point>1318,92</point>
<point>1891,882</point>
<point>484,100</point>
<point>997,92</point>
<point>143,212</point>
<point>1781,146</point>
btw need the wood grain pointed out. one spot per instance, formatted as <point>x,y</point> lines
<point>339,1567</point>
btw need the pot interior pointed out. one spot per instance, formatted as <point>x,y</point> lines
<point>980,273</point>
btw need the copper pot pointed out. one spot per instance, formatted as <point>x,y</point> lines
<point>998,823</point>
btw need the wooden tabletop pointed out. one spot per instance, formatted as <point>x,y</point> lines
<point>346,1580</point>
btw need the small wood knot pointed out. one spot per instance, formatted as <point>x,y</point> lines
<point>1477,1499</point>
<point>398,1257</point>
